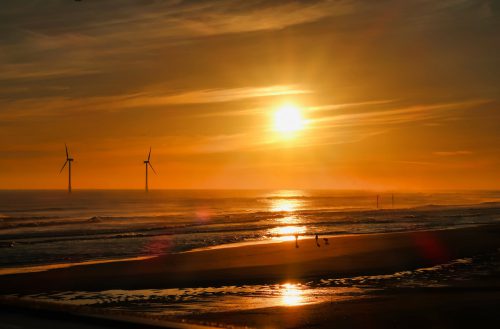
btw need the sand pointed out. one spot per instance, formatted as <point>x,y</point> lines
<point>19,313</point>
<point>433,308</point>
<point>345,256</point>
<point>470,304</point>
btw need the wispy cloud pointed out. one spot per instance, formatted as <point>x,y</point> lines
<point>36,71</point>
<point>177,18</point>
<point>452,153</point>
<point>217,95</point>
<point>79,37</point>
<point>330,107</point>
<point>386,117</point>
<point>307,109</point>
<point>54,105</point>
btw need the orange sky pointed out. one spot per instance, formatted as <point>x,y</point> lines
<point>396,95</point>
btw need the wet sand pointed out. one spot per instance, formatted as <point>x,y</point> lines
<point>19,313</point>
<point>457,307</point>
<point>345,256</point>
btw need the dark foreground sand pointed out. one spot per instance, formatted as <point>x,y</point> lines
<point>345,256</point>
<point>456,307</point>
<point>470,307</point>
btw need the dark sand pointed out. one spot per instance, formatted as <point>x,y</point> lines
<point>19,313</point>
<point>433,308</point>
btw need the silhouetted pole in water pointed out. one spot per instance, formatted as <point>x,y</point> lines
<point>296,240</point>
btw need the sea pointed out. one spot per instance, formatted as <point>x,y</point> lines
<point>52,228</point>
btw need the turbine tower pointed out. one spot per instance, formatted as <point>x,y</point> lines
<point>68,161</point>
<point>148,164</point>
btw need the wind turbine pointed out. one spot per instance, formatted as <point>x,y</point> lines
<point>68,161</point>
<point>148,164</point>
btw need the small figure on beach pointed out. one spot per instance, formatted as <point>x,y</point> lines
<point>326,241</point>
<point>317,238</point>
<point>296,240</point>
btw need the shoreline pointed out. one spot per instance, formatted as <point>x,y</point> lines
<point>269,241</point>
<point>48,267</point>
<point>345,256</point>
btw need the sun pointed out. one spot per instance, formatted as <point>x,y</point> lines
<point>288,119</point>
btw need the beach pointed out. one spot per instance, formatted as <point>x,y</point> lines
<point>249,164</point>
<point>282,262</point>
<point>41,228</point>
<point>345,256</point>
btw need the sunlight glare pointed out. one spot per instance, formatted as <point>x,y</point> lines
<point>288,119</point>
<point>287,233</point>
<point>283,205</point>
<point>292,295</point>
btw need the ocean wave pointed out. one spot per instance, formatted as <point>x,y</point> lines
<point>7,218</point>
<point>49,239</point>
<point>166,225</point>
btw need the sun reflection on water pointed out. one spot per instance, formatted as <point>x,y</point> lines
<point>288,220</point>
<point>284,205</point>
<point>287,233</point>
<point>292,295</point>
<point>291,219</point>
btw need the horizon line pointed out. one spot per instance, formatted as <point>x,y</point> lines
<point>265,189</point>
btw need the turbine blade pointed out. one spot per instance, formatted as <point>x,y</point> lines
<point>149,155</point>
<point>64,165</point>
<point>149,163</point>
<point>66,147</point>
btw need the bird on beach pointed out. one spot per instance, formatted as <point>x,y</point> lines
<point>326,241</point>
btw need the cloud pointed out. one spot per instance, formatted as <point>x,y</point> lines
<point>169,18</point>
<point>414,113</point>
<point>218,95</point>
<point>114,47</point>
<point>330,107</point>
<point>35,71</point>
<point>452,153</point>
<point>48,106</point>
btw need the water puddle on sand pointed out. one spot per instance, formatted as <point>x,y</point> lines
<point>200,300</point>
<point>178,302</point>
